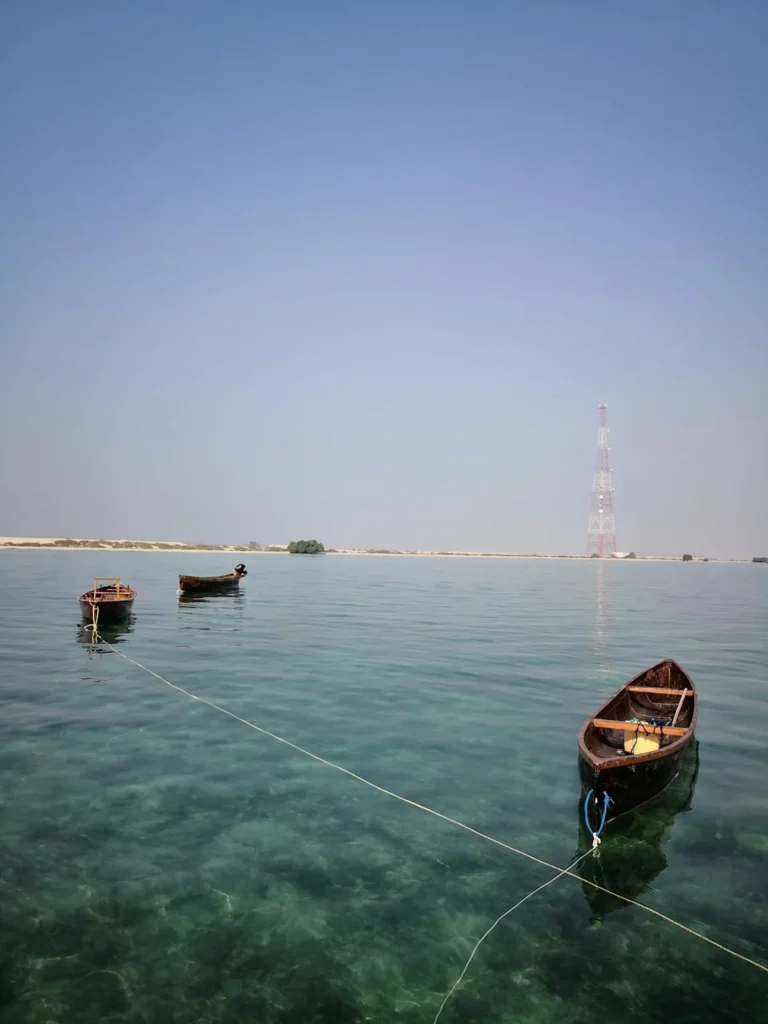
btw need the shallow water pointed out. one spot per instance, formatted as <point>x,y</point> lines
<point>161,862</point>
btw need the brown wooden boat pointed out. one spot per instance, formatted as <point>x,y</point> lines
<point>201,584</point>
<point>633,747</point>
<point>109,602</point>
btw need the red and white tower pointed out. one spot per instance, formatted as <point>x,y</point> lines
<point>601,532</point>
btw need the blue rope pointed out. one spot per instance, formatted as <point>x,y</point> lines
<point>586,811</point>
<point>606,804</point>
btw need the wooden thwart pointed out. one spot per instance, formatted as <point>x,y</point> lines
<point>113,591</point>
<point>651,730</point>
<point>658,689</point>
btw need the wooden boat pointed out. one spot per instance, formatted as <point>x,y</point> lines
<point>633,747</point>
<point>200,584</point>
<point>109,602</point>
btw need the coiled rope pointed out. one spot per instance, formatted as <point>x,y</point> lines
<point>560,872</point>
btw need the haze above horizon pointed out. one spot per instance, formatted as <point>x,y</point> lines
<point>364,273</point>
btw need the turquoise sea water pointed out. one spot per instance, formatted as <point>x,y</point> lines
<point>160,862</point>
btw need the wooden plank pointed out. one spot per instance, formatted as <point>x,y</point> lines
<point>657,689</point>
<point>650,730</point>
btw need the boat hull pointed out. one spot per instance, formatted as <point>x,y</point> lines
<point>632,785</point>
<point>210,585</point>
<point>108,611</point>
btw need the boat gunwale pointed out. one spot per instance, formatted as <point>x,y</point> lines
<point>631,760</point>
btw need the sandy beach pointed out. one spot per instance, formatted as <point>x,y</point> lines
<point>87,544</point>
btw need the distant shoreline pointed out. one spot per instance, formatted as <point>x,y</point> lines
<point>72,544</point>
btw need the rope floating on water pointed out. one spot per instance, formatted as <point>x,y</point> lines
<point>443,817</point>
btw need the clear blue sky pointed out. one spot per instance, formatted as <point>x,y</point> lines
<point>363,271</point>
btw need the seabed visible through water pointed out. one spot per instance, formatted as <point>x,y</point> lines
<point>161,862</point>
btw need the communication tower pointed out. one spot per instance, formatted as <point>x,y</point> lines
<point>601,532</point>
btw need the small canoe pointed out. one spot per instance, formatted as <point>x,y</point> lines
<point>109,602</point>
<point>633,747</point>
<point>199,584</point>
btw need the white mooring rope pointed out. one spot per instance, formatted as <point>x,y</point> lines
<point>498,920</point>
<point>444,817</point>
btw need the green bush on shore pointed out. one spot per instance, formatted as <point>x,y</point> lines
<point>305,547</point>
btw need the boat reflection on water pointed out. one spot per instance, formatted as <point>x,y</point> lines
<point>235,597</point>
<point>631,856</point>
<point>112,632</point>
